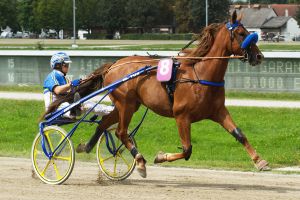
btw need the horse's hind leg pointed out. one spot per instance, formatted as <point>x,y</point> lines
<point>223,118</point>
<point>126,112</point>
<point>106,122</point>
<point>184,129</point>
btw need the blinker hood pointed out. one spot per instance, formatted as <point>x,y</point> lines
<point>251,38</point>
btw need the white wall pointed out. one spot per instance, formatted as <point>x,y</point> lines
<point>291,29</point>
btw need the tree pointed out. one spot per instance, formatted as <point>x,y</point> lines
<point>88,14</point>
<point>298,15</point>
<point>142,13</point>
<point>269,1</point>
<point>25,15</point>
<point>54,14</point>
<point>166,12</point>
<point>217,12</point>
<point>183,16</point>
<point>294,1</point>
<point>66,16</point>
<point>8,14</point>
<point>112,15</point>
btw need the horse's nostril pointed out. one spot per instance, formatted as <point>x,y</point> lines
<point>259,57</point>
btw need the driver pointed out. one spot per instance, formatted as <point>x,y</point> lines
<point>56,83</point>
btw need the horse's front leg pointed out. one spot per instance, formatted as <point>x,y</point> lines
<point>224,119</point>
<point>184,129</point>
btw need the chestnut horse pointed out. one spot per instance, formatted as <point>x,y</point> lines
<point>193,100</point>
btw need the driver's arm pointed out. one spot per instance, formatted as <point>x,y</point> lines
<point>61,89</point>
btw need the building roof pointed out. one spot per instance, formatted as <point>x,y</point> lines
<point>276,22</point>
<point>256,17</point>
<point>280,9</point>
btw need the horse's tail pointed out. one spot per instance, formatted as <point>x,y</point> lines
<point>97,77</point>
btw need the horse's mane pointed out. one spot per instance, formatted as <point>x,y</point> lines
<point>94,82</point>
<point>205,41</point>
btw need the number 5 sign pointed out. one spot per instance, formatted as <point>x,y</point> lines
<point>164,70</point>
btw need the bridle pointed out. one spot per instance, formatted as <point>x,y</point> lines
<point>231,27</point>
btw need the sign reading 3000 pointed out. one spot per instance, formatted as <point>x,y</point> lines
<point>272,75</point>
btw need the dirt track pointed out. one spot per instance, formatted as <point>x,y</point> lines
<point>16,182</point>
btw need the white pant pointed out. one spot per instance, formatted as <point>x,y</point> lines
<point>100,109</point>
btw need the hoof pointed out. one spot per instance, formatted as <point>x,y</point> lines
<point>142,171</point>
<point>141,165</point>
<point>262,165</point>
<point>160,157</point>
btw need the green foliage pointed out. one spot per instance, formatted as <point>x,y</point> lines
<point>183,17</point>
<point>113,15</point>
<point>166,12</point>
<point>217,12</point>
<point>142,13</point>
<point>88,13</point>
<point>269,1</point>
<point>298,15</point>
<point>49,14</point>
<point>25,15</point>
<point>39,45</point>
<point>110,15</point>
<point>8,14</point>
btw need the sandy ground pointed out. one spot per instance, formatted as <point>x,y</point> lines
<point>16,182</point>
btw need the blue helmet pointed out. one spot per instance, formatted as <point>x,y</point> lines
<point>59,58</point>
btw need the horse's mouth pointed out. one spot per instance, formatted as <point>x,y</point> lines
<point>253,60</point>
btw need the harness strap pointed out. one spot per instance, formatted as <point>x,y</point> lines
<point>171,84</point>
<point>187,45</point>
<point>210,83</point>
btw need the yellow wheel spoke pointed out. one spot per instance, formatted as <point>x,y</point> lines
<point>125,161</point>
<point>49,142</point>
<point>35,152</point>
<point>58,176</point>
<point>57,169</point>
<point>62,158</point>
<point>46,167</point>
<point>115,165</point>
<point>61,139</point>
<point>105,159</point>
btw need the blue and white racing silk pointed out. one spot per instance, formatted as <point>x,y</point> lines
<point>55,78</point>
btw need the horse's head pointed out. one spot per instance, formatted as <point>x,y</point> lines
<point>242,42</point>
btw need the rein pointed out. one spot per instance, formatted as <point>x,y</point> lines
<point>178,57</point>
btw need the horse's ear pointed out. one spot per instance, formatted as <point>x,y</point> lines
<point>233,17</point>
<point>240,17</point>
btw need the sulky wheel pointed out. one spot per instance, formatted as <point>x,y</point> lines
<point>114,167</point>
<point>57,169</point>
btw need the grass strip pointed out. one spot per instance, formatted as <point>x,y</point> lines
<point>273,132</point>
